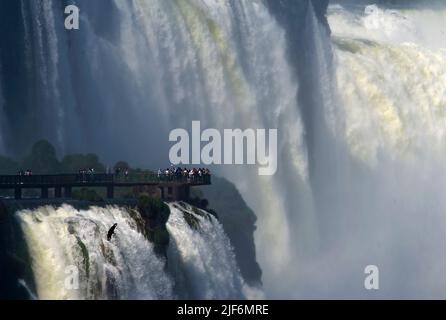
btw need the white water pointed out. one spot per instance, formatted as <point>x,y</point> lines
<point>125,268</point>
<point>390,73</point>
<point>23,284</point>
<point>45,41</point>
<point>392,80</point>
<point>163,64</point>
<point>203,260</point>
<point>380,200</point>
<point>225,63</point>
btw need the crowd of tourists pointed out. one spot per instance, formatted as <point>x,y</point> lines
<point>26,173</point>
<point>172,173</point>
<point>84,171</point>
<point>177,173</point>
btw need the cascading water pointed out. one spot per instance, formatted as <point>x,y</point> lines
<point>359,167</point>
<point>403,115</point>
<point>389,70</point>
<point>172,62</point>
<point>62,238</point>
<point>201,257</point>
<point>223,63</point>
<point>46,50</point>
<point>201,262</point>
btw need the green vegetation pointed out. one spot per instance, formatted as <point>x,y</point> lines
<point>42,159</point>
<point>153,208</point>
<point>155,214</point>
<point>86,194</point>
<point>236,217</point>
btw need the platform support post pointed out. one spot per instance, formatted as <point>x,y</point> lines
<point>58,192</point>
<point>18,193</point>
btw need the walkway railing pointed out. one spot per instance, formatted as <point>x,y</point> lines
<point>60,179</point>
<point>88,178</point>
<point>163,178</point>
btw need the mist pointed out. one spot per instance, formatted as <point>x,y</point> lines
<point>381,201</point>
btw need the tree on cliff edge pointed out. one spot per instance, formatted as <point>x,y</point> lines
<point>42,159</point>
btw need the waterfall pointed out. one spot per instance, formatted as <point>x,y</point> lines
<point>388,72</point>
<point>201,262</point>
<point>156,66</point>
<point>59,239</point>
<point>201,257</point>
<point>404,118</point>
<point>42,35</point>
<point>361,146</point>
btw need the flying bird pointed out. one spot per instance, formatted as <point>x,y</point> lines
<point>111,232</point>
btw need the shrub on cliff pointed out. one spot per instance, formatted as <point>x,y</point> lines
<point>153,208</point>
<point>42,159</point>
<point>155,214</point>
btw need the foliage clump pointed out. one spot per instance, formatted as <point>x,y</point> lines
<point>153,208</point>
<point>156,214</point>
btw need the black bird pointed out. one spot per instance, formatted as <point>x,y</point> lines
<point>111,232</point>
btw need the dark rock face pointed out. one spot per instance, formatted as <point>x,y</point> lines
<point>239,223</point>
<point>14,259</point>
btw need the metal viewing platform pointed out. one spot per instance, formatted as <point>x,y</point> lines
<point>171,187</point>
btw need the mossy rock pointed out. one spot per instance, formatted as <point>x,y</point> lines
<point>85,255</point>
<point>139,221</point>
<point>192,221</point>
<point>202,213</point>
<point>192,218</point>
<point>108,254</point>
